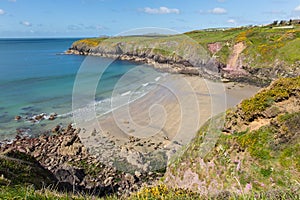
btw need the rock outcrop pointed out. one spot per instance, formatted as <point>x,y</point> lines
<point>180,56</point>
<point>62,161</point>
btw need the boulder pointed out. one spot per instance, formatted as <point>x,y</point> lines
<point>17,118</point>
<point>69,174</point>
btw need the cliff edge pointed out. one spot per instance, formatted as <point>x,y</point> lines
<point>255,55</point>
<point>258,148</point>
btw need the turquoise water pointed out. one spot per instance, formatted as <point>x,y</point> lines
<point>37,78</point>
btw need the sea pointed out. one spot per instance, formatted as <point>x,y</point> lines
<point>38,79</point>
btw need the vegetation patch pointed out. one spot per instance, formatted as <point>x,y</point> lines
<point>278,91</point>
<point>91,42</point>
<point>244,158</point>
<point>20,168</point>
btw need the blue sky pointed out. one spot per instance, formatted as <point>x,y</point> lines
<point>90,18</point>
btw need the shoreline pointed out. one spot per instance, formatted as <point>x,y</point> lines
<point>161,122</point>
<point>176,68</point>
<point>130,160</point>
<point>215,71</point>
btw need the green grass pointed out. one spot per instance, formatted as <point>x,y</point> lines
<point>265,46</point>
<point>290,52</point>
<point>163,192</point>
<point>20,168</point>
<point>148,193</point>
<point>21,192</point>
<point>257,142</point>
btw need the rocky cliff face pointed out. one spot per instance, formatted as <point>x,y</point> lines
<point>182,55</point>
<point>258,148</point>
<point>256,55</point>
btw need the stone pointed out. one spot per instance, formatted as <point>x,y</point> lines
<point>52,117</point>
<point>39,117</point>
<point>69,174</point>
<point>108,181</point>
<point>17,118</point>
<point>137,174</point>
<point>129,178</point>
<point>56,129</point>
<point>36,154</point>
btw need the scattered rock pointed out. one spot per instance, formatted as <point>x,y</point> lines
<point>69,174</point>
<point>39,117</point>
<point>137,174</point>
<point>56,129</point>
<point>52,117</point>
<point>17,118</point>
<point>64,155</point>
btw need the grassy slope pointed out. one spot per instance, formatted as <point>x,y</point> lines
<point>265,46</point>
<point>263,43</point>
<point>19,168</point>
<point>22,177</point>
<point>268,156</point>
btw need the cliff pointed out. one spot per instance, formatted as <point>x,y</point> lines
<point>257,149</point>
<point>257,55</point>
<point>174,54</point>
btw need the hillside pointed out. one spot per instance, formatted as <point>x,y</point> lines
<point>253,54</point>
<point>256,154</point>
<point>252,149</point>
<point>257,150</point>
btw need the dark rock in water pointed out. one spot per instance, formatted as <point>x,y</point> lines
<point>39,117</point>
<point>52,116</point>
<point>56,129</point>
<point>18,117</point>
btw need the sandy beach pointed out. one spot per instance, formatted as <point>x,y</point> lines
<point>163,120</point>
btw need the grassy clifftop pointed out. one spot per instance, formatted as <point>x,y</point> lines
<point>258,148</point>
<point>263,44</point>
<point>265,53</point>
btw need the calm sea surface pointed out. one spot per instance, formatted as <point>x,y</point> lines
<point>37,78</point>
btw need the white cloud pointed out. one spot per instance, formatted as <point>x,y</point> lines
<point>297,9</point>
<point>161,10</point>
<point>218,11</point>
<point>2,12</point>
<point>232,21</point>
<point>26,23</point>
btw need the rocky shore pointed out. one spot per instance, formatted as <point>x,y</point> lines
<point>213,69</point>
<point>206,54</point>
<point>157,61</point>
<point>72,167</point>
